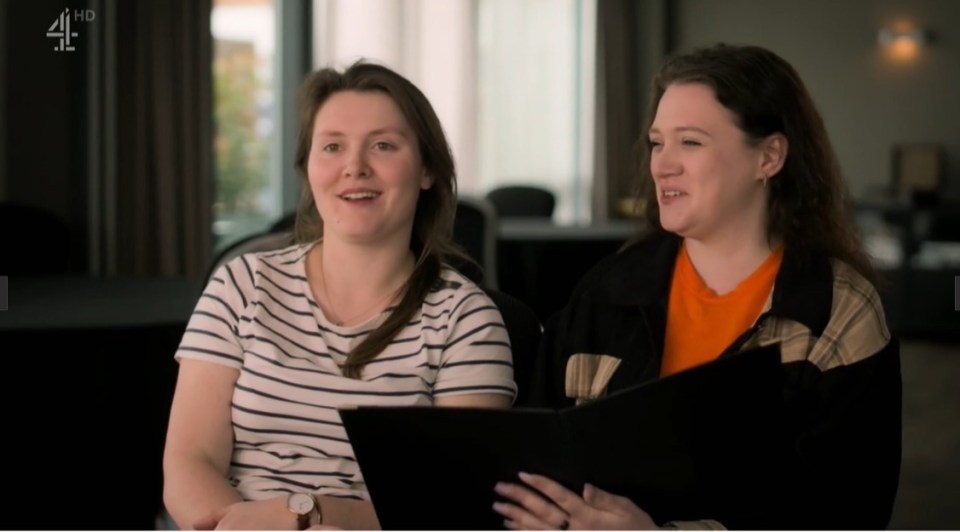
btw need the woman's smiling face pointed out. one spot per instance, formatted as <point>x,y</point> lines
<point>364,168</point>
<point>707,173</point>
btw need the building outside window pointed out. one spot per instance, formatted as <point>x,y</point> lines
<point>247,179</point>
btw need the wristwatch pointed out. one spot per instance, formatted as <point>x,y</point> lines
<point>302,505</point>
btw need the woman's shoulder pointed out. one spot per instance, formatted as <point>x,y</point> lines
<point>281,258</point>
<point>246,270</point>
<point>851,287</point>
<point>855,294</point>
<point>633,270</point>
<point>857,327</point>
<point>452,283</point>
<point>454,293</point>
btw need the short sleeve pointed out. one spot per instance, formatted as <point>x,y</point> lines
<point>212,332</point>
<point>476,358</point>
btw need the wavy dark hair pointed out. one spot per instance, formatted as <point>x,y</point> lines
<point>808,203</point>
<point>430,240</point>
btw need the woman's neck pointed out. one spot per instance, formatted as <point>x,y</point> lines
<point>724,264</point>
<point>355,282</point>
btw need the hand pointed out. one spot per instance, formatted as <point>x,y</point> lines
<point>271,514</point>
<point>557,508</point>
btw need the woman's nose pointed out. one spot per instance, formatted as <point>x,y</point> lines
<point>663,162</point>
<point>357,165</point>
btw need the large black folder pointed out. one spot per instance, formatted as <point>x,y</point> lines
<point>702,444</point>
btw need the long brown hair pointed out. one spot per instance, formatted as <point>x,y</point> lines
<point>808,201</point>
<point>430,240</point>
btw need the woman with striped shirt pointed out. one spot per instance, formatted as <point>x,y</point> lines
<point>363,310</point>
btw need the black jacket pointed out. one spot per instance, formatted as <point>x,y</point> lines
<point>841,366</point>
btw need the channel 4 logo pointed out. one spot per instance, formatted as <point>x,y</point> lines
<point>61,28</point>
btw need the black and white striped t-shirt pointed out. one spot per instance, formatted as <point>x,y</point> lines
<point>259,316</point>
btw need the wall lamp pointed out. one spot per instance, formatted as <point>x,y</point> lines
<point>902,43</point>
<point>889,36</point>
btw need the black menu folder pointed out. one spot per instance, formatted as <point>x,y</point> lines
<point>705,443</point>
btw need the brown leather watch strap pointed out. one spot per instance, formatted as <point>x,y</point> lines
<point>317,510</point>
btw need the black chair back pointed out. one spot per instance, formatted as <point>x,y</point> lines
<point>522,201</point>
<point>285,223</point>
<point>35,241</point>
<point>267,241</point>
<point>475,231</point>
<point>525,331</point>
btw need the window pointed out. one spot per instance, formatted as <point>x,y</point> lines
<point>247,182</point>
<point>535,62</point>
<point>512,81</point>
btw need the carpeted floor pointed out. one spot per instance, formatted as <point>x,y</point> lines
<point>929,496</point>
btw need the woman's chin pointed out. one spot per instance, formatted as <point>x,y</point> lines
<point>672,225</point>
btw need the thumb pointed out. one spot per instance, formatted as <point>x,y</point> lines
<point>601,500</point>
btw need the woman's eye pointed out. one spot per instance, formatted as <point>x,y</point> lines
<point>332,147</point>
<point>654,144</point>
<point>691,142</point>
<point>383,146</point>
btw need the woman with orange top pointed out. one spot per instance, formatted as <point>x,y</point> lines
<point>751,244</point>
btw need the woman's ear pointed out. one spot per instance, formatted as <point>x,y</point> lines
<point>426,182</point>
<point>773,155</point>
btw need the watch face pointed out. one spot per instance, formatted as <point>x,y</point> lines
<point>300,503</point>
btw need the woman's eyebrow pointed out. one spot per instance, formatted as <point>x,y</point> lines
<point>681,129</point>
<point>378,131</point>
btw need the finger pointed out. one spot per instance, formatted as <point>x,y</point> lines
<point>519,518</point>
<point>604,500</point>
<point>563,498</point>
<point>532,502</point>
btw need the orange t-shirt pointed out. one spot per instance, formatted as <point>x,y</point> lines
<point>701,324</point>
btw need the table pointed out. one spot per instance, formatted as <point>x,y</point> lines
<point>72,302</point>
<point>918,298</point>
<point>93,363</point>
<point>540,230</point>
